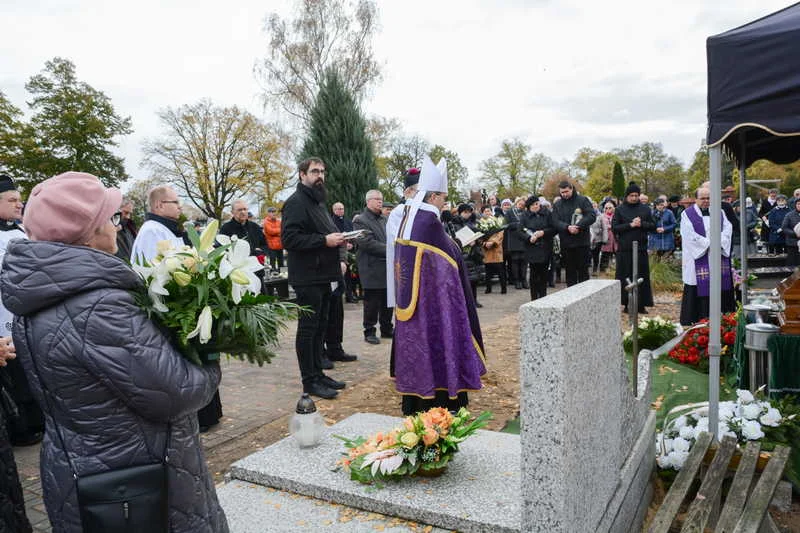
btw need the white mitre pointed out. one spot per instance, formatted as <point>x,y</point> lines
<point>432,178</point>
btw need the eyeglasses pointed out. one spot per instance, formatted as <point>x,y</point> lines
<point>116,218</point>
<point>176,202</point>
<point>317,171</point>
<point>379,199</point>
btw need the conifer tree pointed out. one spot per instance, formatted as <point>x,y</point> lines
<point>338,135</point>
<point>617,181</point>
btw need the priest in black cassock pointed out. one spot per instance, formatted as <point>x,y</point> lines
<point>632,221</point>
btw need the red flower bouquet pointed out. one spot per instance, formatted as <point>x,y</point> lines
<point>693,349</point>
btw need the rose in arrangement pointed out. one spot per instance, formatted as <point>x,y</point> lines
<point>653,332</point>
<point>693,349</point>
<point>425,441</point>
<point>209,298</point>
<point>748,418</point>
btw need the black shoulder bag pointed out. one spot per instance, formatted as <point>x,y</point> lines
<point>125,500</point>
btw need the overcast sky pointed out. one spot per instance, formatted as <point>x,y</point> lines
<point>464,74</point>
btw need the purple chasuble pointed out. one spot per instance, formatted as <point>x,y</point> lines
<point>702,271</point>
<point>437,340</point>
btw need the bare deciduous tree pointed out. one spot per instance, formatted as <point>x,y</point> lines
<point>323,34</point>
<point>213,154</point>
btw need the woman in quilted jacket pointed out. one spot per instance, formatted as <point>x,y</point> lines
<point>118,392</point>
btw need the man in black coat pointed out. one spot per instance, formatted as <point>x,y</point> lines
<point>316,258</point>
<point>243,228</point>
<point>334,334</point>
<point>631,222</point>
<point>371,257</point>
<point>573,215</point>
<point>344,225</point>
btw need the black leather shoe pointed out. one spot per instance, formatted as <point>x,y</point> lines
<point>478,304</point>
<point>343,357</point>
<point>488,290</point>
<point>332,383</point>
<point>317,388</point>
<point>327,364</point>
<point>372,339</point>
<point>643,311</point>
<point>387,335</point>
<point>525,285</point>
<point>503,290</point>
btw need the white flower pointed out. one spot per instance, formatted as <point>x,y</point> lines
<point>679,422</point>
<point>680,444</point>
<point>751,430</point>
<point>385,461</point>
<point>744,396</point>
<point>678,459</point>
<point>771,418</point>
<point>164,247</point>
<point>687,432</point>
<point>204,323</point>
<point>172,263</point>
<point>726,410</point>
<point>155,278</point>
<point>751,411</point>
<point>664,461</point>
<point>208,235</point>
<point>238,259</point>
<point>723,429</point>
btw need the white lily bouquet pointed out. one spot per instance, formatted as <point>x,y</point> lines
<point>489,225</point>
<point>209,298</point>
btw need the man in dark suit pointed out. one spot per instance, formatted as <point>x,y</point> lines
<point>371,257</point>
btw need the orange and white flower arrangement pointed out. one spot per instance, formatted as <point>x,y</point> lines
<point>425,442</point>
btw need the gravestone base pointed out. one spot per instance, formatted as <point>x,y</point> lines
<point>479,492</point>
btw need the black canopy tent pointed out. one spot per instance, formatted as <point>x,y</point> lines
<point>753,113</point>
<point>754,89</point>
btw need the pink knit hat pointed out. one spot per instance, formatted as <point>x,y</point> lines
<point>69,208</point>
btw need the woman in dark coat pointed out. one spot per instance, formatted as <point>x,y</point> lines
<point>631,222</point>
<point>536,227</point>
<point>119,394</point>
<point>12,501</point>
<point>516,244</point>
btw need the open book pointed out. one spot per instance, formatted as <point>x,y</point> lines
<point>466,236</point>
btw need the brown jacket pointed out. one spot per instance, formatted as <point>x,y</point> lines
<point>493,253</point>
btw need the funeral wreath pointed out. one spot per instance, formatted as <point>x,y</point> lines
<point>209,298</point>
<point>425,442</point>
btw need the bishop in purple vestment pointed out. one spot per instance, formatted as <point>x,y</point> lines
<point>437,355</point>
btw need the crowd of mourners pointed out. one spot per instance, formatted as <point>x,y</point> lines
<point>85,371</point>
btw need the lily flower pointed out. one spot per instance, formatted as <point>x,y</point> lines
<point>208,236</point>
<point>239,264</point>
<point>204,323</point>
<point>181,278</point>
<point>155,278</point>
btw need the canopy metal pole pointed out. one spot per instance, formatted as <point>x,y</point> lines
<point>744,233</point>
<point>715,297</point>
